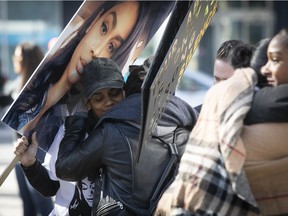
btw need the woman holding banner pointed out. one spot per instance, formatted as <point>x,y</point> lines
<point>103,89</point>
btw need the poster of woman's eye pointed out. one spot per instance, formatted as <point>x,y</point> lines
<point>119,30</point>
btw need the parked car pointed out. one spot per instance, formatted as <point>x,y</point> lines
<point>193,87</point>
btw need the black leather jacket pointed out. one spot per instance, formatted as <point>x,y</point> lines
<point>270,104</point>
<point>113,146</point>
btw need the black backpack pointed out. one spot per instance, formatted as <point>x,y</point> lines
<point>168,174</point>
<point>157,166</point>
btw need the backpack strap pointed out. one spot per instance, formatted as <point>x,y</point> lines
<point>130,149</point>
<point>168,174</point>
<point>139,211</point>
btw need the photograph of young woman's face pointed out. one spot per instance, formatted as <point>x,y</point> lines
<point>98,29</point>
<point>106,33</point>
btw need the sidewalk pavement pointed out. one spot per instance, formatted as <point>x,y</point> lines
<point>10,202</point>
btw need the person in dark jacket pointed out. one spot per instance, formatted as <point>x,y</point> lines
<point>102,83</point>
<point>126,186</point>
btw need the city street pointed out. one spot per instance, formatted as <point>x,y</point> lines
<point>10,202</point>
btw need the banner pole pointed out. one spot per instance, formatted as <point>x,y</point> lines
<point>8,169</point>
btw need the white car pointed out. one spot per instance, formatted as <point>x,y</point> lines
<point>193,87</point>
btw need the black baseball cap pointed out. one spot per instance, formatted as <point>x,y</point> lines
<point>100,73</point>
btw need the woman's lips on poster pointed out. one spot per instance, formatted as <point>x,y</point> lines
<point>80,66</point>
<point>77,73</point>
<point>270,81</point>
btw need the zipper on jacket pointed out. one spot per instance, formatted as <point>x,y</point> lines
<point>120,204</point>
<point>105,209</point>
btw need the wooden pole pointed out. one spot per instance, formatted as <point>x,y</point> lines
<point>8,169</point>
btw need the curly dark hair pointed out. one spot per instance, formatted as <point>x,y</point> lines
<point>259,59</point>
<point>226,48</point>
<point>241,55</point>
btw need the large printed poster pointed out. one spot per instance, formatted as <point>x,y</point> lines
<point>112,29</point>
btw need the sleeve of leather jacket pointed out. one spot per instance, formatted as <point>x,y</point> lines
<point>270,104</point>
<point>78,158</point>
<point>39,178</point>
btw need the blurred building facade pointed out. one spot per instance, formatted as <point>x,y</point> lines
<point>37,21</point>
<point>249,21</point>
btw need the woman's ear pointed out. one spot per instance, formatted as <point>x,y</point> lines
<point>94,21</point>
